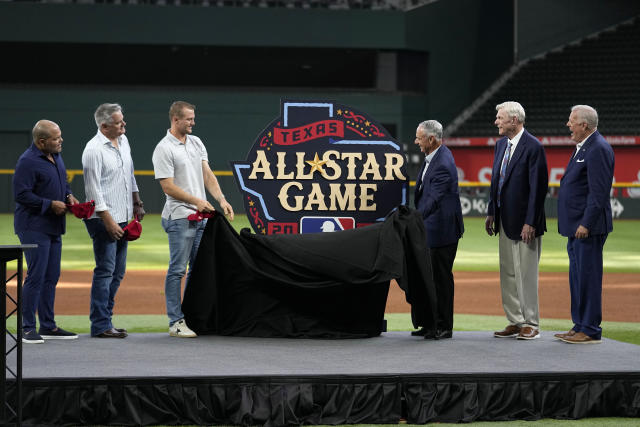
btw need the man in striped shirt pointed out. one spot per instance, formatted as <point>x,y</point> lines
<point>109,181</point>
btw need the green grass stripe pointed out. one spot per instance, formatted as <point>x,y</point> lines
<point>476,250</point>
<point>621,331</point>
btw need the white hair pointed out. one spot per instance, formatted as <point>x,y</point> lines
<point>513,109</point>
<point>586,114</point>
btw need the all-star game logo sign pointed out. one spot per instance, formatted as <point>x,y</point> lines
<point>321,167</point>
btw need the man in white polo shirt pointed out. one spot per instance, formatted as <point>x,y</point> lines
<point>181,165</point>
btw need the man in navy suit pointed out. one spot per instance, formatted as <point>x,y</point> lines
<point>437,199</point>
<point>515,211</point>
<point>584,216</point>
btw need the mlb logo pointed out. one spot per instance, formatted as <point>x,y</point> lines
<point>325,224</point>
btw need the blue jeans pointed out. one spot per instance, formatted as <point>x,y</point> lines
<point>111,262</point>
<point>184,239</point>
<point>43,272</point>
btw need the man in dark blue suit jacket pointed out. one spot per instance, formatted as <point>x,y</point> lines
<point>584,216</point>
<point>437,199</point>
<point>519,184</point>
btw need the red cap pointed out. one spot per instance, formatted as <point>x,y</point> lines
<point>199,216</point>
<point>83,210</point>
<point>133,230</point>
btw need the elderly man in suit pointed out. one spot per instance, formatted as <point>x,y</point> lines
<point>515,211</point>
<point>584,217</point>
<point>437,199</point>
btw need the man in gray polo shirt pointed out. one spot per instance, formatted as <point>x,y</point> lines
<point>181,165</point>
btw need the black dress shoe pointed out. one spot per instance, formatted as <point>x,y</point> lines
<point>419,333</point>
<point>112,333</point>
<point>439,335</point>
<point>444,334</point>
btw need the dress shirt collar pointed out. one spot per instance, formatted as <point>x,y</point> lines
<point>430,156</point>
<point>579,146</point>
<point>34,151</point>
<point>515,140</point>
<point>103,139</point>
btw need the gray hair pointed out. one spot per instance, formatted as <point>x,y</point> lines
<point>587,115</point>
<point>432,127</point>
<point>105,111</point>
<point>513,109</point>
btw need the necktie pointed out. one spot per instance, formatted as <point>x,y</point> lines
<point>503,169</point>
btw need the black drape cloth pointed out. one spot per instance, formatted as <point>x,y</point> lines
<point>333,400</point>
<point>321,285</point>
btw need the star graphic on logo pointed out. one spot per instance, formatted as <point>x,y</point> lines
<point>316,164</point>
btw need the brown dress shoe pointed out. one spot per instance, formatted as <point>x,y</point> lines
<point>528,333</point>
<point>580,338</point>
<point>508,332</point>
<point>561,335</point>
<point>111,333</point>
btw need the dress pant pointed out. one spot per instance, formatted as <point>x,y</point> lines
<point>442,259</point>
<point>43,272</point>
<point>585,283</point>
<point>519,279</point>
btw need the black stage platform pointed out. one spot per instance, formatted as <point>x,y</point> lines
<point>155,379</point>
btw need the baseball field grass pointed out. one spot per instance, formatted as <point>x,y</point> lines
<point>476,252</point>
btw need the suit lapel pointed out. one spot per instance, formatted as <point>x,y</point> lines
<point>515,156</point>
<point>419,180</point>
<point>433,164</point>
<point>500,149</point>
<point>580,154</point>
<point>583,150</point>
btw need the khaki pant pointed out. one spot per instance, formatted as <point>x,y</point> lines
<point>519,279</point>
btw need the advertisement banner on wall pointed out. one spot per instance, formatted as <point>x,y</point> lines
<point>474,159</point>
<point>474,164</point>
<point>621,207</point>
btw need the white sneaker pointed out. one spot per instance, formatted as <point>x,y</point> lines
<point>180,329</point>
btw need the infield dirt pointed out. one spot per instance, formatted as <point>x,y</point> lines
<point>142,292</point>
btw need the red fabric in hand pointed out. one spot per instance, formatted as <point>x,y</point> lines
<point>199,216</point>
<point>133,230</point>
<point>83,210</point>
